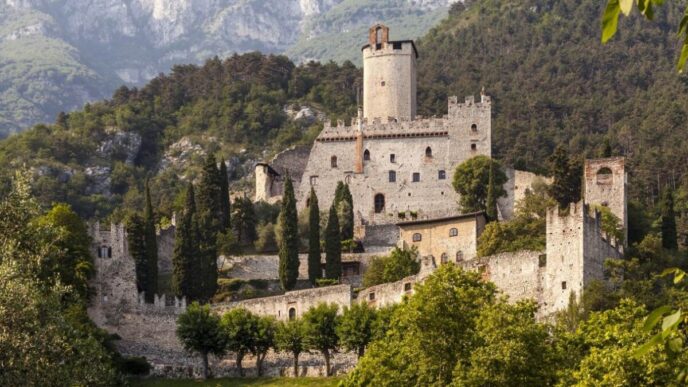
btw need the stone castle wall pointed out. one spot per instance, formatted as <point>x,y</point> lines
<point>518,182</point>
<point>605,184</point>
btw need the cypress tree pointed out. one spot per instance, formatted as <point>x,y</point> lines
<point>289,241</point>
<point>491,201</point>
<point>137,249</point>
<point>184,269</point>
<point>151,248</point>
<point>244,221</point>
<point>339,193</point>
<point>314,265</point>
<point>567,177</point>
<point>669,240</point>
<point>333,246</point>
<point>224,197</point>
<point>346,213</point>
<point>209,218</point>
<point>607,148</point>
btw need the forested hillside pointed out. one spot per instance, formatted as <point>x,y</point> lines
<point>551,81</point>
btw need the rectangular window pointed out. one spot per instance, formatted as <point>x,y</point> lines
<point>441,174</point>
<point>396,45</point>
<point>314,180</point>
<point>392,158</point>
<point>474,147</point>
<point>563,285</point>
<point>392,176</point>
<point>371,296</point>
<point>416,177</point>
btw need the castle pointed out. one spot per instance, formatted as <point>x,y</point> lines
<point>398,167</point>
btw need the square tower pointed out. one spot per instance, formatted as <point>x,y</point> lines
<point>389,76</point>
<point>605,185</point>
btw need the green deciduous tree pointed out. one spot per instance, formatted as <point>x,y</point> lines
<point>399,264</point>
<point>320,325</point>
<point>239,326</point>
<point>356,327</point>
<point>289,239</point>
<point>290,337</point>
<point>314,264</point>
<point>567,175</point>
<point>333,246</point>
<point>263,340</point>
<point>199,330</point>
<point>185,278</point>
<point>668,221</point>
<point>472,181</point>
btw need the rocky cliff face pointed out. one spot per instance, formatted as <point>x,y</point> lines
<point>57,54</point>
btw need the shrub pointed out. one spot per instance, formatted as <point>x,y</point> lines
<point>135,365</point>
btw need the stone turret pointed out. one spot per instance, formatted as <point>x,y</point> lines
<point>389,77</point>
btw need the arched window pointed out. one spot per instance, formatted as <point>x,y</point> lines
<point>605,176</point>
<point>379,203</point>
<point>347,179</point>
<point>441,174</point>
<point>444,258</point>
<point>453,232</point>
<point>417,237</point>
<point>366,155</point>
<point>392,176</point>
<point>474,128</point>
<point>428,152</point>
<point>333,161</point>
<point>292,313</point>
<point>378,35</point>
<point>459,256</point>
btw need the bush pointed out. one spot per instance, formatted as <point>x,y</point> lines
<point>230,284</point>
<point>400,264</point>
<point>260,284</point>
<point>135,365</point>
<point>322,282</point>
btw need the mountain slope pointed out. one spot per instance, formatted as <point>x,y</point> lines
<point>56,55</point>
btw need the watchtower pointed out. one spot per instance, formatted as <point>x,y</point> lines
<point>605,185</point>
<point>389,76</point>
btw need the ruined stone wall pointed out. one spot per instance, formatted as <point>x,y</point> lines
<point>379,237</point>
<point>451,140</point>
<point>605,183</point>
<point>299,301</point>
<point>518,182</point>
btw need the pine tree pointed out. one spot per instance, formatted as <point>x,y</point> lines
<point>137,249</point>
<point>669,240</point>
<point>224,197</point>
<point>491,201</point>
<point>184,272</point>
<point>209,218</point>
<point>346,213</point>
<point>151,248</point>
<point>314,265</point>
<point>289,241</point>
<point>567,176</point>
<point>333,246</point>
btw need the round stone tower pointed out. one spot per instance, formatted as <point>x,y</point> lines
<point>389,76</point>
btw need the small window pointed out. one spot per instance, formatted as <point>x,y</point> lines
<point>407,287</point>
<point>474,147</point>
<point>563,285</point>
<point>292,313</point>
<point>474,128</point>
<point>453,232</point>
<point>366,155</point>
<point>417,237</point>
<point>314,180</point>
<point>416,177</point>
<point>396,45</point>
<point>392,158</point>
<point>459,256</point>
<point>378,35</point>
<point>441,174</point>
<point>382,83</point>
<point>605,176</point>
<point>444,258</point>
<point>428,152</point>
<point>333,161</point>
<point>347,179</point>
<point>379,203</point>
<point>371,296</point>
<point>392,176</point>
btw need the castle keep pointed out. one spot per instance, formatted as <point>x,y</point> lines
<point>399,168</point>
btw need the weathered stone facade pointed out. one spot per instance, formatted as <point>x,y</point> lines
<point>606,185</point>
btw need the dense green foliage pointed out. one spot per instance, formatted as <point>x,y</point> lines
<point>399,264</point>
<point>356,327</point>
<point>289,239</point>
<point>320,327</point>
<point>198,329</point>
<point>151,247</point>
<point>491,200</point>
<point>344,203</point>
<point>314,258</point>
<point>472,182</point>
<point>567,178</point>
<point>290,337</point>
<point>185,274</point>
<point>668,220</point>
<point>244,221</point>
<point>333,245</point>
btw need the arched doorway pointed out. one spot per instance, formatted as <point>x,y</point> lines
<point>379,203</point>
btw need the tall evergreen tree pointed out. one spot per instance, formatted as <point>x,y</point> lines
<point>607,148</point>
<point>209,217</point>
<point>224,197</point>
<point>244,221</point>
<point>567,176</point>
<point>669,240</point>
<point>333,246</point>
<point>137,249</point>
<point>314,264</point>
<point>339,192</point>
<point>491,201</point>
<point>151,248</point>
<point>289,241</point>
<point>184,266</point>
<point>345,213</point>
